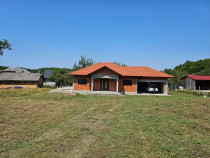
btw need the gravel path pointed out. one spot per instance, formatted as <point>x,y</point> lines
<point>98,93</point>
<point>62,90</point>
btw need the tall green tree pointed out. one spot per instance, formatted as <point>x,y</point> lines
<point>60,77</point>
<point>4,44</point>
<point>83,62</point>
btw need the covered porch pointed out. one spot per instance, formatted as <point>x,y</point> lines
<point>108,83</point>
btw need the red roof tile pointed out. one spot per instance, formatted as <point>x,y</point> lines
<point>122,70</point>
<point>199,77</point>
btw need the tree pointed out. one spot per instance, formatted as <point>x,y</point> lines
<point>4,45</point>
<point>83,62</point>
<point>176,80</point>
<point>118,63</point>
<point>60,77</point>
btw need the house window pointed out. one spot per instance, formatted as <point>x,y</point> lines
<point>25,82</point>
<point>7,83</point>
<point>82,81</point>
<point>32,82</point>
<point>127,82</point>
<point>18,82</point>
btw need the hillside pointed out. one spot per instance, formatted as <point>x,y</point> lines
<point>200,67</point>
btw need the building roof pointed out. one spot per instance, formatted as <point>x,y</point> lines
<point>18,74</point>
<point>15,69</point>
<point>198,77</point>
<point>140,71</point>
<point>47,73</point>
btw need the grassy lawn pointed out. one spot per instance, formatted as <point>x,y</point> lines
<point>35,123</point>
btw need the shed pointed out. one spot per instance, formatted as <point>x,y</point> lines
<point>193,82</point>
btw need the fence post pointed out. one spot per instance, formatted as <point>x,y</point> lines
<point>199,90</point>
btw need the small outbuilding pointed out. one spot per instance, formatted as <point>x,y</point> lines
<point>18,77</point>
<point>192,82</point>
<point>47,81</point>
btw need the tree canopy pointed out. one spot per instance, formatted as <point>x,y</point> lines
<point>60,77</point>
<point>4,44</point>
<point>83,62</point>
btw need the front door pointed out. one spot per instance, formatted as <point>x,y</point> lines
<point>104,84</point>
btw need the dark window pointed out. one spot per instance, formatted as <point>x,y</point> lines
<point>7,83</point>
<point>127,82</point>
<point>32,82</point>
<point>18,82</point>
<point>25,82</point>
<point>82,81</point>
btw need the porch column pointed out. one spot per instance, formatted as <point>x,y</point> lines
<point>136,85</point>
<point>166,86</point>
<point>117,83</point>
<point>73,85</point>
<point>92,84</point>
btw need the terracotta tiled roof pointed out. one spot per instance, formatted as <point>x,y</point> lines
<point>199,77</point>
<point>122,70</point>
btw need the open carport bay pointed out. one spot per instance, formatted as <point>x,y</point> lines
<point>143,87</point>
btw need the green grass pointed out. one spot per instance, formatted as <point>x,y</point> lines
<point>35,123</point>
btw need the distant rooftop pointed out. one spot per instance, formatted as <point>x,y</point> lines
<point>18,74</point>
<point>15,69</point>
<point>47,73</point>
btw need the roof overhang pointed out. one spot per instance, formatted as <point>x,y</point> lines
<point>126,71</point>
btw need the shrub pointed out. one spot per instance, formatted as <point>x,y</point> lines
<point>194,92</point>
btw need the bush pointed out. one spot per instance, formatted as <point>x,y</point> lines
<point>194,92</point>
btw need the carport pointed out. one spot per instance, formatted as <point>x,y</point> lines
<point>202,84</point>
<point>143,86</point>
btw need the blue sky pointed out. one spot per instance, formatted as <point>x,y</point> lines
<point>155,33</point>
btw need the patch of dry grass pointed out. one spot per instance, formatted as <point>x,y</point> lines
<point>35,123</point>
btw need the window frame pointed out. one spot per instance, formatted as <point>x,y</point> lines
<point>82,81</point>
<point>127,82</point>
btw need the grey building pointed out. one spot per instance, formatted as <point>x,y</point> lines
<point>48,82</point>
<point>13,77</point>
